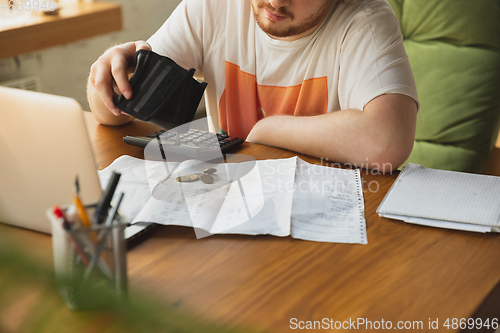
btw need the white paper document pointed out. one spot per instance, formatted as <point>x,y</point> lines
<point>328,205</point>
<point>446,199</point>
<point>277,197</point>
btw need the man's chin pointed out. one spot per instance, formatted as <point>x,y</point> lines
<point>277,33</point>
<point>272,30</point>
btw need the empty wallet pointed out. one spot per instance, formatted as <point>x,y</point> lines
<point>164,93</point>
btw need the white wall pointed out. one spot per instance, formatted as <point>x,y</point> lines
<point>64,69</point>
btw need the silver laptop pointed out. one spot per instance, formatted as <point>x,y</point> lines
<point>44,145</point>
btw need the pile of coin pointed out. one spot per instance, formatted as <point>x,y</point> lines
<point>206,177</point>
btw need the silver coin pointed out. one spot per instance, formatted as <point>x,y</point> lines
<point>207,179</point>
<point>210,171</point>
<point>187,178</point>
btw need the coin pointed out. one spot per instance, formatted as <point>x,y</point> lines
<point>210,171</point>
<point>187,178</point>
<point>207,179</point>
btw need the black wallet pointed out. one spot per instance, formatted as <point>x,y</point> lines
<point>164,93</point>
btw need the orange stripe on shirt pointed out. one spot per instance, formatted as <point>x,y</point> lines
<point>244,102</point>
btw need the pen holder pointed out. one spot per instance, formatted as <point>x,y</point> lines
<point>90,263</point>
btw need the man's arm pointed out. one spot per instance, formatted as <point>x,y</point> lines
<point>380,137</point>
<point>109,77</point>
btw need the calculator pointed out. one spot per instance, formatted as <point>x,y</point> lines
<point>192,139</point>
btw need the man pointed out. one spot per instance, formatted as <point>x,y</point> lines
<point>328,78</point>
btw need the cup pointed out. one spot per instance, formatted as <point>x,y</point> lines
<point>90,263</point>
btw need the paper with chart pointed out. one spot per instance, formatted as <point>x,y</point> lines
<point>445,199</point>
<point>276,197</point>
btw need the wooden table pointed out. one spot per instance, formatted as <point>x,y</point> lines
<point>406,272</point>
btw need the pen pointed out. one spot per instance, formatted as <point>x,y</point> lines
<point>79,206</point>
<point>103,241</point>
<point>119,250</point>
<point>104,203</point>
<point>66,225</point>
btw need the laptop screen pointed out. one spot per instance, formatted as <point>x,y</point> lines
<point>44,145</point>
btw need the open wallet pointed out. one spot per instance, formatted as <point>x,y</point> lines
<point>164,93</point>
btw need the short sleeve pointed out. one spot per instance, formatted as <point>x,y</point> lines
<point>181,36</point>
<point>373,60</point>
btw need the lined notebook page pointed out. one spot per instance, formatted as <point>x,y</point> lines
<point>444,195</point>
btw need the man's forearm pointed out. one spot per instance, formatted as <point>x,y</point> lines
<point>375,140</point>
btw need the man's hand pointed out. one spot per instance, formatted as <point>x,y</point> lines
<point>109,76</point>
<point>380,137</point>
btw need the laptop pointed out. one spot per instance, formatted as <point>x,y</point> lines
<point>44,145</point>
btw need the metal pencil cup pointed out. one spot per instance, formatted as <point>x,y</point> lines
<point>90,263</point>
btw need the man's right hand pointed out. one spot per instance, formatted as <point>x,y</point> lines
<point>109,76</point>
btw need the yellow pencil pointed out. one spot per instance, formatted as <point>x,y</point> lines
<point>80,208</point>
<point>81,211</point>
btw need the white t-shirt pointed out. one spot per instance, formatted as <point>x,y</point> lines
<point>356,55</point>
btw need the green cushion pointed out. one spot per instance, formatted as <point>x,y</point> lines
<point>454,51</point>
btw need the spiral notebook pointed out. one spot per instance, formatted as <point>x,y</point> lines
<point>446,199</point>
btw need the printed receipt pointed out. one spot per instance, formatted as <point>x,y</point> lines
<point>328,205</point>
<point>279,197</point>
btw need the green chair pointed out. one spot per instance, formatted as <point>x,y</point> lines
<point>454,51</point>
